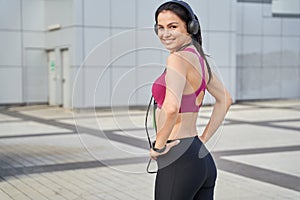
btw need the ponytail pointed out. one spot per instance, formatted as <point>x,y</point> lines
<point>197,42</point>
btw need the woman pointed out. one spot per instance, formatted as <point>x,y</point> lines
<point>186,169</point>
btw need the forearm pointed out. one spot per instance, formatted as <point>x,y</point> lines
<point>218,114</point>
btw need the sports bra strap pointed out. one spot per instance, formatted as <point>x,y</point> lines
<point>200,59</point>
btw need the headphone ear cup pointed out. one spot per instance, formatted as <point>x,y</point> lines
<point>193,27</point>
<point>156,29</point>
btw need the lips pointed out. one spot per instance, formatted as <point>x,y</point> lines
<point>168,41</point>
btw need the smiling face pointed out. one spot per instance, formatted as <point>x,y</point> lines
<point>172,30</point>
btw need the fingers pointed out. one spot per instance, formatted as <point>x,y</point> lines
<point>154,154</point>
<point>153,158</point>
<point>174,143</point>
<point>201,138</point>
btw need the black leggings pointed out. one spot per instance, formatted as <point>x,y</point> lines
<point>186,172</point>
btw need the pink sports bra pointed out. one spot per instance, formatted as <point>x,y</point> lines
<point>188,101</point>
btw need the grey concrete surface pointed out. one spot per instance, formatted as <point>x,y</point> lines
<point>53,153</point>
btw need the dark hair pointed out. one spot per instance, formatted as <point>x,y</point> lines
<point>184,15</point>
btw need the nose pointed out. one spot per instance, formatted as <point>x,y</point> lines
<point>166,33</point>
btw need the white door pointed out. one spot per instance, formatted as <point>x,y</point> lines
<point>66,83</point>
<point>52,68</point>
<point>35,76</point>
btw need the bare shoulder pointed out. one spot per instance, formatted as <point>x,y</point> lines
<point>177,60</point>
<point>175,57</point>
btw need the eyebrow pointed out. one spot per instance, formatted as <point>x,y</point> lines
<point>172,23</point>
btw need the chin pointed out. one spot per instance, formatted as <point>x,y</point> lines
<point>170,47</point>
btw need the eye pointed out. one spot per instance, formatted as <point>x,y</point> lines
<point>173,27</point>
<point>160,28</point>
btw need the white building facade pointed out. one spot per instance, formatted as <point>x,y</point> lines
<point>102,53</point>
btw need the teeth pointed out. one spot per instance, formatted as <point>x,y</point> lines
<point>168,41</point>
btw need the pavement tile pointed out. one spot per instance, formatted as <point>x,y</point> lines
<point>4,196</point>
<point>232,186</point>
<point>42,158</point>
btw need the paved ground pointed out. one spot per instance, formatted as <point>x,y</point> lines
<point>52,153</point>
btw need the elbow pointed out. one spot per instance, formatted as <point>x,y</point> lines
<point>225,100</point>
<point>171,109</point>
<point>228,100</point>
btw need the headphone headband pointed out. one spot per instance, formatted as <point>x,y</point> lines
<point>193,25</point>
<point>186,6</point>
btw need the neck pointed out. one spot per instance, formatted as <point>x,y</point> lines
<point>183,46</point>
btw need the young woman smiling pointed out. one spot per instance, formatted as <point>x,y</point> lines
<point>186,168</point>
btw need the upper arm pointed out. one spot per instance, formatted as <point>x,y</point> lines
<point>175,80</point>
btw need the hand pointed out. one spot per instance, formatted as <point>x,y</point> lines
<point>202,139</point>
<point>154,154</point>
